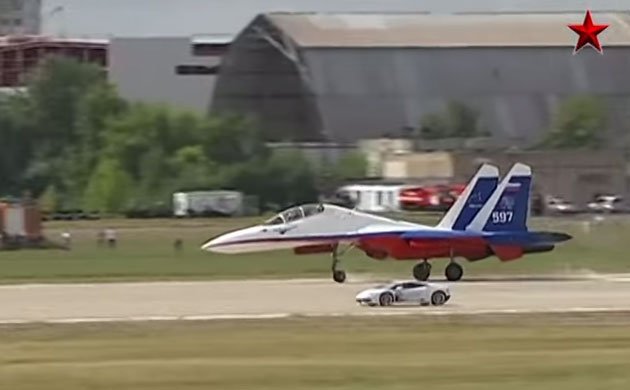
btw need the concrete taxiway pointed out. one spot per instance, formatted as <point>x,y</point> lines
<point>260,299</point>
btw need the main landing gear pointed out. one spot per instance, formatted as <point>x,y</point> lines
<point>338,275</point>
<point>422,271</point>
<point>453,271</point>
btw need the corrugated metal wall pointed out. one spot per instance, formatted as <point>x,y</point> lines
<point>258,80</point>
<point>370,92</point>
<point>143,69</point>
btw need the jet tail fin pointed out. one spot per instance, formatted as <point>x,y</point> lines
<point>472,199</point>
<point>508,206</point>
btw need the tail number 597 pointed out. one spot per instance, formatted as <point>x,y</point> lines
<point>501,217</point>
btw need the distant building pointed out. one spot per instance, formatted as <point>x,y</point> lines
<point>377,149</point>
<point>180,72</point>
<point>345,77</point>
<point>19,55</point>
<point>572,175</point>
<point>19,17</point>
<point>19,219</point>
<point>315,153</point>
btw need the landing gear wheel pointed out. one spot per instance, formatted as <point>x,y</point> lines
<point>422,271</point>
<point>339,276</point>
<point>454,272</point>
<point>438,298</point>
<point>386,299</point>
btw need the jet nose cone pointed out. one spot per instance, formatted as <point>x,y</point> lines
<point>230,242</point>
<point>217,244</point>
<point>209,245</point>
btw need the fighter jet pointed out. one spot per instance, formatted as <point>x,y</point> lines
<point>487,219</point>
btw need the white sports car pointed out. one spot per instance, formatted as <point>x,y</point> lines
<point>422,293</point>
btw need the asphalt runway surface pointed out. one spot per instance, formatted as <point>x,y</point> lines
<point>73,303</point>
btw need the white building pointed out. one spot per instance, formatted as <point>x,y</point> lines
<point>374,197</point>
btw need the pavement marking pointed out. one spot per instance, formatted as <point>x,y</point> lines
<point>200,318</point>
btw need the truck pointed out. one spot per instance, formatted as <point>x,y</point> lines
<point>207,203</point>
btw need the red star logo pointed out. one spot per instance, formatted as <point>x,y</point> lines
<point>588,33</point>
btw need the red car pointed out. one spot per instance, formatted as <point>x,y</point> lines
<point>437,197</point>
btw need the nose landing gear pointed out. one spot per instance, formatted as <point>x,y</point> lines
<point>338,275</point>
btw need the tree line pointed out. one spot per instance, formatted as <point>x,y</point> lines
<point>74,143</point>
<point>579,122</point>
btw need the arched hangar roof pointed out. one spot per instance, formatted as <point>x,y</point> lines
<point>345,77</point>
<point>448,30</point>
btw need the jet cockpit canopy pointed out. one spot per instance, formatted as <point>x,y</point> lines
<point>295,213</point>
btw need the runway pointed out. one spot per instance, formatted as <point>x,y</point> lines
<point>265,299</point>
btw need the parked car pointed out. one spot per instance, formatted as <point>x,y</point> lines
<point>558,205</point>
<point>423,293</point>
<point>607,204</point>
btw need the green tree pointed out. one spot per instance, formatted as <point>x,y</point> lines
<point>49,200</point>
<point>464,120</point>
<point>579,122</point>
<point>100,104</point>
<point>232,139</point>
<point>351,165</point>
<point>291,178</point>
<point>109,188</point>
<point>55,91</point>
<point>74,141</point>
<point>193,170</point>
<point>457,120</point>
<point>16,144</point>
<point>435,126</point>
<point>281,180</point>
<point>53,100</point>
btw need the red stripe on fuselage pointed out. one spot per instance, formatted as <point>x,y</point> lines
<point>507,252</point>
<point>397,248</point>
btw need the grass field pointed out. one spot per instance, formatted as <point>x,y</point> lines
<point>463,353</point>
<point>146,252</point>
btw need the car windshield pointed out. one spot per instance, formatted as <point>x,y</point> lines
<point>295,213</point>
<point>389,286</point>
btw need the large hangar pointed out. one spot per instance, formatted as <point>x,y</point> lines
<point>342,77</point>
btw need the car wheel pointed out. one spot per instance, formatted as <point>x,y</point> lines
<point>438,298</point>
<point>386,299</point>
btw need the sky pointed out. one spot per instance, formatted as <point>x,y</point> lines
<point>144,18</point>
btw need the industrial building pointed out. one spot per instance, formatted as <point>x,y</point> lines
<point>574,175</point>
<point>345,77</point>
<point>20,17</point>
<point>178,71</point>
<point>19,55</point>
